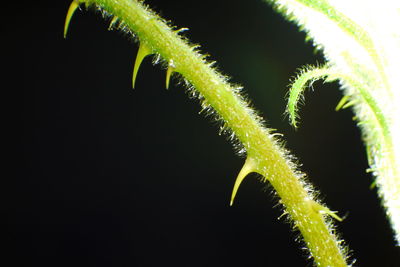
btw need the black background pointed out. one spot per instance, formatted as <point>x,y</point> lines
<point>103,175</point>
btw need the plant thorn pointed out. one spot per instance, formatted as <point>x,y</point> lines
<point>342,102</point>
<point>113,22</point>
<point>170,70</point>
<point>143,52</point>
<point>182,30</point>
<point>71,10</point>
<point>324,210</point>
<point>248,167</point>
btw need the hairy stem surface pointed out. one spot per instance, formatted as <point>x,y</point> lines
<point>264,154</point>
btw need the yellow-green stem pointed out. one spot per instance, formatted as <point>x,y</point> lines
<point>268,157</point>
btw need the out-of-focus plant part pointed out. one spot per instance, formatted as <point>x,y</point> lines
<point>361,43</point>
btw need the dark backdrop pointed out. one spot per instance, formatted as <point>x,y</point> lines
<point>103,175</point>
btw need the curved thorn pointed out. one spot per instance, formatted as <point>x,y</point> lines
<point>181,30</point>
<point>332,214</point>
<point>342,102</point>
<point>142,53</point>
<point>71,10</point>
<point>349,104</point>
<point>170,70</point>
<point>248,167</point>
<point>325,210</point>
<point>113,22</point>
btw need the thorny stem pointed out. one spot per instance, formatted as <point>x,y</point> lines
<point>264,153</point>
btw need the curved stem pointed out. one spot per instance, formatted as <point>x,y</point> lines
<point>269,158</point>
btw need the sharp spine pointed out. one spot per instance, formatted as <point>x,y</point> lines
<point>349,104</point>
<point>143,52</point>
<point>181,30</point>
<point>325,210</point>
<point>71,10</point>
<point>113,22</point>
<point>170,70</point>
<point>248,167</point>
<point>342,102</point>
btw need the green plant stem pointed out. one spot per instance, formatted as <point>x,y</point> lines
<point>266,155</point>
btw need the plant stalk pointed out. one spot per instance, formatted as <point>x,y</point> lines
<point>266,155</point>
